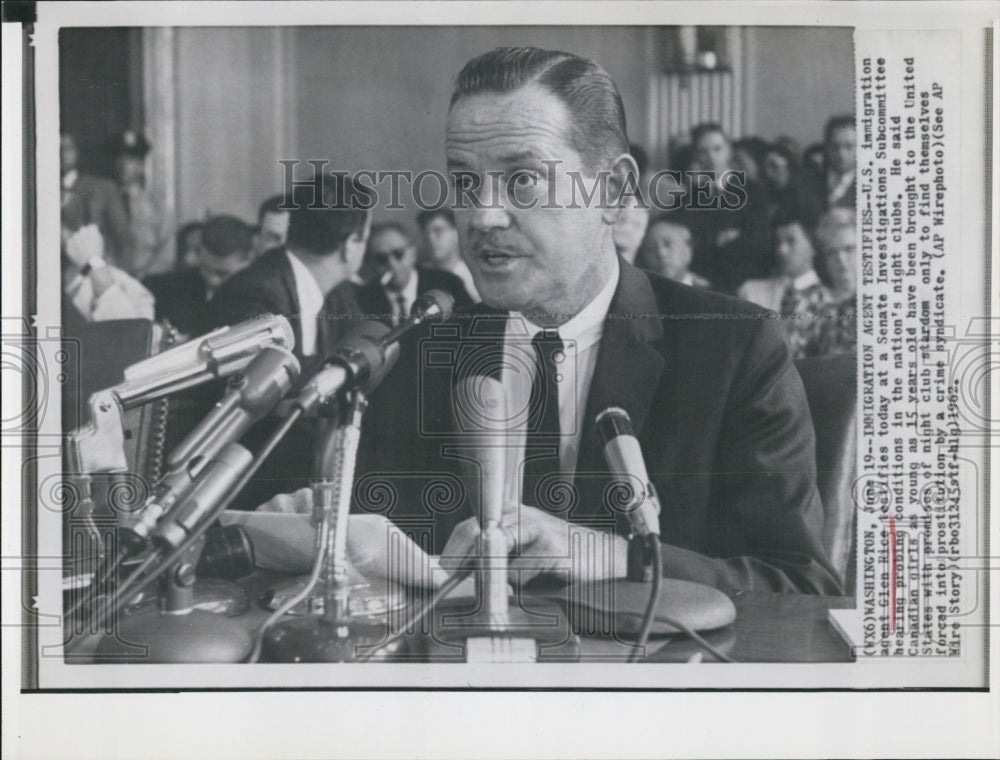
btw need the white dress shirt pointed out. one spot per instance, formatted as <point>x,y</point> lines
<point>409,294</point>
<point>581,337</point>
<point>770,291</point>
<point>310,302</point>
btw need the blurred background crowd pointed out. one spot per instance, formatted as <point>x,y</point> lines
<point>129,249</point>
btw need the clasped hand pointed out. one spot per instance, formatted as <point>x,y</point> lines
<point>540,543</point>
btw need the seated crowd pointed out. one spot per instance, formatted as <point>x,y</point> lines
<point>790,247</point>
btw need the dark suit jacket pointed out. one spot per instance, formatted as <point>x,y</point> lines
<point>749,256</point>
<point>375,304</point>
<point>717,406</point>
<point>267,286</point>
<point>181,299</point>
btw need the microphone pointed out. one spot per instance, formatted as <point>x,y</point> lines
<point>624,458</point>
<point>434,304</point>
<point>214,355</point>
<point>215,481</point>
<point>263,383</point>
<point>357,360</point>
<point>481,408</point>
<point>365,356</point>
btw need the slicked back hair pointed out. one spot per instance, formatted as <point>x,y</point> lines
<point>597,130</point>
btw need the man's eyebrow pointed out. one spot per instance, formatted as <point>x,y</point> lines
<point>519,157</point>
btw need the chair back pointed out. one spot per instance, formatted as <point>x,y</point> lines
<point>831,389</point>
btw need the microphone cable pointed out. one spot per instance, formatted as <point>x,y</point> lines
<point>654,596</point>
<point>460,574</point>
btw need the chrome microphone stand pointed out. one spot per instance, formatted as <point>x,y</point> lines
<point>331,631</point>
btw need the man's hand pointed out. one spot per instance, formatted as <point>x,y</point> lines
<point>84,245</point>
<point>541,543</point>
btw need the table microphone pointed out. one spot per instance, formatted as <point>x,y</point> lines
<point>619,605</point>
<point>493,628</point>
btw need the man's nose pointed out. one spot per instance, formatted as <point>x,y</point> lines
<point>489,211</point>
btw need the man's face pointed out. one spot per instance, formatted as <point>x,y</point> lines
<point>442,241</point>
<point>356,245</point>
<point>215,270</point>
<point>794,250</point>
<point>392,252</point>
<point>630,228</point>
<point>713,153</point>
<point>840,149</point>
<point>840,255</point>
<point>546,260</point>
<point>777,171</point>
<point>67,154</point>
<point>273,231</point>
<point>668,249</point>
<point>131,170</point>
<point>190,253</point>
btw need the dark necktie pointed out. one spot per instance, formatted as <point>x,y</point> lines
<point>541,449</point>
<point>399,310</point>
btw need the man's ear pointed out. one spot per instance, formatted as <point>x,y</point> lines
<point>623,184</point>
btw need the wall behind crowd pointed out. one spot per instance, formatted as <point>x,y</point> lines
<point>376,97</point>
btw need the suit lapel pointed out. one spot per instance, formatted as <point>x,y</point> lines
<point>627,373</point>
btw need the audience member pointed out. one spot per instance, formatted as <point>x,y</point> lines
<point>836,238</point>
<point>100,197</point>
<point>189,245</point>
<point>732,245</point>
<point>306,280</point>
<point>272,225</point>
<point>781,179</point>
<point>795,290</point>
<point>147,251</point>
<point>441,248</point>
<point>397,281</point>
<point>183,297</point>
<point>667,251</point>
<point>748,157</point>
<point>834,184</point>
<point>324,248</point>
<point>96,289</point>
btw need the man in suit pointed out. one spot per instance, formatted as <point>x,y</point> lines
<point>307,282</point>
<point>183,297</point>
<point>396,280</point>
<point>716,403</point>
<point>832,184</point>
<point>441,249</point>
<point>732,245</point>
<point>300,280</point>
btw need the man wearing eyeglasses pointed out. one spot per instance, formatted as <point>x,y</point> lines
<point>396,280</point>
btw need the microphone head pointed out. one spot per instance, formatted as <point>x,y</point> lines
<point>433,303</point>
<point>361,353</point>
<point>612,422</point>
<point>479,405</point>
<point>480,409</point>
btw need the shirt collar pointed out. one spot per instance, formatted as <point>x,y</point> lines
<point>309,292</point>
<point>806,280</point>
<point>587,326</point>
<point>409,292</point>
